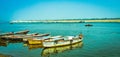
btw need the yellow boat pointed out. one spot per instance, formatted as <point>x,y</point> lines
<point>37,40</point>
<point>34,42</point>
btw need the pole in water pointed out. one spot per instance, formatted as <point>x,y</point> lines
<point>80,36</point>
<point>71,41</point>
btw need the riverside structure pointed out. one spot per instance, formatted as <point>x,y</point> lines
<point>66,21</point>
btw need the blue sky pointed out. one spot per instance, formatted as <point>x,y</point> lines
<point>58,9</point>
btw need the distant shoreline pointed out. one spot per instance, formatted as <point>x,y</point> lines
<point>66,21</point>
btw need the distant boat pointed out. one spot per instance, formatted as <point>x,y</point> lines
<point>11,23</point>
<point>88,25</point>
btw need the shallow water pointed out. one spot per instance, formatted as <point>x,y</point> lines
<point>100,40</point>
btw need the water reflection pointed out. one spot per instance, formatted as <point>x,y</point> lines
<point>2,43</point>
<point>5,43</point>
<point>4,55</point>
<point>46,52</point>
<point>32,47</point>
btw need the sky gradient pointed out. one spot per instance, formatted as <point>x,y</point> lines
<point>58,9</point>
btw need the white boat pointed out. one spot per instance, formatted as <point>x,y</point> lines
<point>68,40</point>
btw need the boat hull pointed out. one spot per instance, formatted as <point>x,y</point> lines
<point>60,43</point>
<point>32,42</point>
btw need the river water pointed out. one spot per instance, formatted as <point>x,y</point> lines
<point>100,40</point>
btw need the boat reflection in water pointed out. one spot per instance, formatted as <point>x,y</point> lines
<point>3,43</point>
<point>31,47</point>
<point>46,52</point>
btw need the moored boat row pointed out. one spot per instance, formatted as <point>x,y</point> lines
<point>21,35</point>
<point>45,40</point>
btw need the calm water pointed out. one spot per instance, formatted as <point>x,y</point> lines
<point>100,40</point>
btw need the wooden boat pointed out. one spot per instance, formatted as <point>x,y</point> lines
<point>46,52</point>
<point>12,33</point>
<point>40,35</point>
<point>55,42</point>
<point>12,37</point>
<point>88,25</point>
<point>22,32</point>
<point>9,33</point>
<point>22,37</point>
